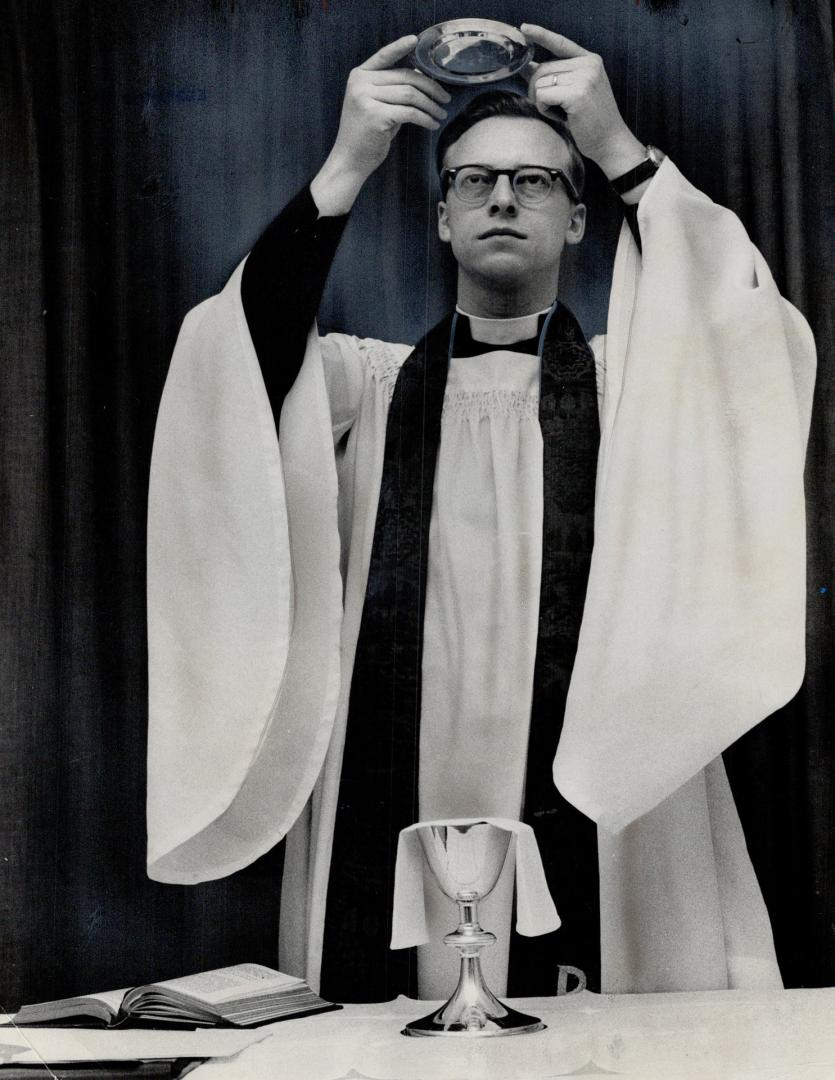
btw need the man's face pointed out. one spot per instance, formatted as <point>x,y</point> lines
<point>503,243</point>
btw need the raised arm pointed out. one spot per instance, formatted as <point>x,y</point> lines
<point>576,84</point>
<point>281,289</point>
<point>379,99</point>
<point>285,274</point>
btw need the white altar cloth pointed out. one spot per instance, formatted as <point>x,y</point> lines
<point>32,1046</point>
<point>715,1035</point>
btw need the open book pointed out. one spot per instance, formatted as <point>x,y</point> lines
<point>240,996</point>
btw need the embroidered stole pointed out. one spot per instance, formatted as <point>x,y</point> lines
<point>378,793</point>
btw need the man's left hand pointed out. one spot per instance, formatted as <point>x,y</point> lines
<point>576,82</point>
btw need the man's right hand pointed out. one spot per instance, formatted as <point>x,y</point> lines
<point>379,99</point>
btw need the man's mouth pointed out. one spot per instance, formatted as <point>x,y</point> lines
<point>502,232</point>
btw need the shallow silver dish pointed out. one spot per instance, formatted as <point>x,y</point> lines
<point>471,51</point>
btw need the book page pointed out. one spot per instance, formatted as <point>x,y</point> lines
<point>111,998</point>
<point>105,1005</point>
<point>229,984</point>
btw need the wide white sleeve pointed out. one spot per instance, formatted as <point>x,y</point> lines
<point>693,627</point>
<point>244,600</point>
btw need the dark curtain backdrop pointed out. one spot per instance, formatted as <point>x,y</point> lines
<point>144,146</point>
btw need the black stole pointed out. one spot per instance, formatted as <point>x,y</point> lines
<point>378,794</point>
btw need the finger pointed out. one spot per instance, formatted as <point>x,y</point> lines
<point>545,84</point>
<point>572,63</point>
<point>406,114</point>
<point>390,54</point>
<point>557,44</point>
<point>553,78</point>
<point>403,76</point>
<point>558,97</point>
<point>532,70</point>
<point>409,95</point>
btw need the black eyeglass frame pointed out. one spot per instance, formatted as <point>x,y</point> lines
<point>448,175</point>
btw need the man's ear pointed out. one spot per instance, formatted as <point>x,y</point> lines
<point>443,222</point>
<point>576,224</point>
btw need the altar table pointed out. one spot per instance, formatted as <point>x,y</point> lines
<point>717,1035</point>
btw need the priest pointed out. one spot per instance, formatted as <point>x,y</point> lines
<point>502,571</point>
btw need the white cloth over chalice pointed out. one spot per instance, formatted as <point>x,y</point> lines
<point>414,883</point>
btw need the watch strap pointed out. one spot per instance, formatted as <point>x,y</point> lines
<point>645,171</point>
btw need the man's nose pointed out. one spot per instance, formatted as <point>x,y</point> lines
<point>503,197</point>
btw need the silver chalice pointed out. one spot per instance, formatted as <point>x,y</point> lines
<point>467,861</point>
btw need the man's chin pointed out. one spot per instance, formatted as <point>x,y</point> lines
<point>503,271</point>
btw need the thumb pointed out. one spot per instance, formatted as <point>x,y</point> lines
<point>528,72</point>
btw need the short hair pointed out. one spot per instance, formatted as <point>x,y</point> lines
<point>507,103</point>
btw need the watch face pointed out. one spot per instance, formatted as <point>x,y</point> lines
<point>472,51</point>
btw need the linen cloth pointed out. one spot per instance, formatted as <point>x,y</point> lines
<point>705,412</point>
<point>535,911</point>
<point>735,1035</point>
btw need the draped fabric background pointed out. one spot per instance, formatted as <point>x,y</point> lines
<point>144,146</point>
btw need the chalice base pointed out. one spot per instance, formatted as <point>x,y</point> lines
<point>473,1011</point>
<point>507,1021</point>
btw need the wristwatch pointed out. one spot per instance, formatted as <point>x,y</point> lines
<point>648,168</point>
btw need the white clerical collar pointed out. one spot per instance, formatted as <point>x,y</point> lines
<point>503,331</point>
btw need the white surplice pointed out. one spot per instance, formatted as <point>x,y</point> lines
<point>480,624</point>
<point>482,591</point>
<point>251,649</point>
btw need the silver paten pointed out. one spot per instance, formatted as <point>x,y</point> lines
<point>472,51</point>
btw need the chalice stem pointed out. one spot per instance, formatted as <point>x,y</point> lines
<point>467,915</point>
<point>472,1002</point>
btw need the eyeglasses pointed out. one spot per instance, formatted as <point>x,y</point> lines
<point>532,184</point>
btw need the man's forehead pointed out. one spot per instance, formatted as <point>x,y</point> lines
<point>507,141</point>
